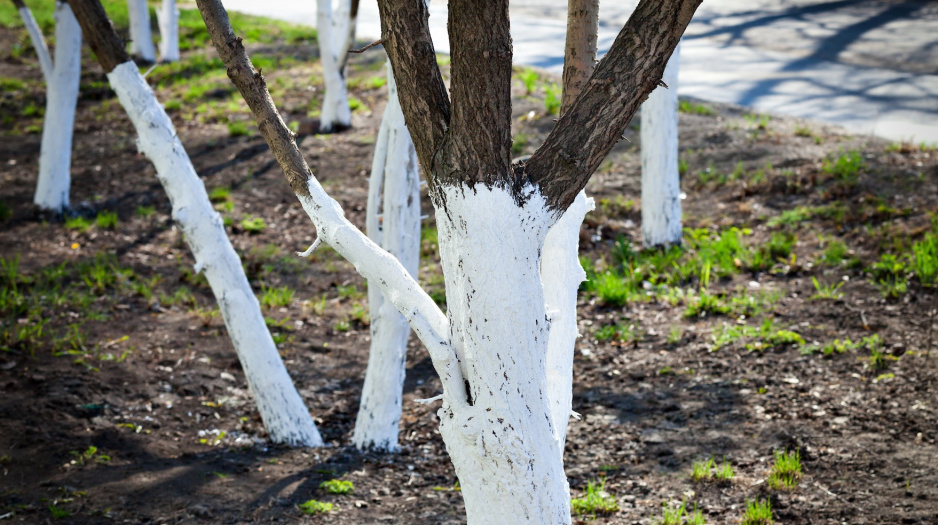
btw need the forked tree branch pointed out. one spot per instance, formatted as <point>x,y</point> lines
<point>583,136</point>
<point>374,264</point>
<point>579,57</point>
<point>97,29</point>
<point>406,37</point>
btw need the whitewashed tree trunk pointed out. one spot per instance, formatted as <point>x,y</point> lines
<point>141,38</point>
<point>661,184</point>
<point>508,461</point>
<point>393,222</point>
<point>332,33</point>
<point>39,42</point>
<point>285,416</point>
<point>55,154</point>
<point>168,18</point>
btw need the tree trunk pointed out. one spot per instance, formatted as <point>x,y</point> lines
<point>55,154</point>
<point>168,18</point>
<point>397,230</point>
<point>141,39</point>
<point>285,416</point>
<point>661,182</point>
<point>579,57</point>
<point>39,42</point>
<point>332,29</point>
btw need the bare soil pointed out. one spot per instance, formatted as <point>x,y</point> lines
<point>153,383</point>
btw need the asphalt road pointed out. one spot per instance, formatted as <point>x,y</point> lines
<point>869,66</point>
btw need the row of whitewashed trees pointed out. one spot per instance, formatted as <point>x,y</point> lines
<point>508,231</point>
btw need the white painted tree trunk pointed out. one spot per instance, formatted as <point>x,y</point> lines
<point>393,222</point>
<point>661,184</point>
<point>502,442</point>
<point>332,31</point>
<point>39,42</point>
<point>168,18</point>
<point>55,154</point>
<point>141,38</point>
<point>285,416</point>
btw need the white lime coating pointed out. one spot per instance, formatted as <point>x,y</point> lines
<point>561,275</point>
<point>502,443</point>
<point>285,416</point>
<point>141,38</point>
<point>167,16</point>
<point>661,184</point>
<point>39,42</point>
<point>332,31</point>
<point>393,222</point>
<point>55,154</point>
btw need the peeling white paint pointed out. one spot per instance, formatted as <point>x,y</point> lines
<point>661,185</point>
<point>394,194</point>
<point>55,154</point>
<point>168,18</point>
<point>141,38</point>
<point>285,415</point>
<point>332,30</point>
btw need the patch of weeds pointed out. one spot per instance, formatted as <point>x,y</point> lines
<point>277,297</point>
<point>889,275</point>
<point>725,252</point>
<point>252,224</point>
<point>595,500</point>
<point>238,129</point>
<point>78,223</point>
<point>706,303</point>
<point>220,194</point>
<point>354,104</point>
<point>758,512</point>
<point>617,332</point>
<point>611,289</point>
<point>337,486</point>
<point>702,470</point>
<point>826,291</point>
<point>675,334</point>
<point>529,78</point>
<point>682,166</point>
<point>835,253</point>
<point>792,217</point>
<point>778,249</point>
<point>106,220</point>
<point>759,122</point>
<point>686,106</point>
<point>145,211</point>
<point>552,99</point>
<point>342,326</point>
<point>803,131</point>
<point>838,346</point>
<point>315,507</point>
<point>349,291</point>
<point>724,473</point>
<point>376,82</point>
<point>59,513</point>
<point>878,359</point>
<point>845,167</point>
<point>770,337</point>
<point>786,471</point>
<point>925,260</point>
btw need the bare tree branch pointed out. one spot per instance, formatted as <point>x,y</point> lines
<point>96,27</point>
<point>579,59</point>
<point>563,164</point>
<point>406,37</point>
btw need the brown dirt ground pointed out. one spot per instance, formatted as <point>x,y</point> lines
<point>649,407</point>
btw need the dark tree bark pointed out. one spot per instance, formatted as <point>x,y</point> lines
<point>96,27</point>
<point>19,4</point>
<point>579,57</point>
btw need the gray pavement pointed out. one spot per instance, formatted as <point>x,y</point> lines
<point>869,66</point>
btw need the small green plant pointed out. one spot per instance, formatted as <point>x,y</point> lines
<point>725,473</point>
<point>835,253</point>
<point>337,486</point>
<point>595,500</point>
<point>238,129</point>
<point>277,297</point>
<point>758,512</point>
<point>611,289</point>
<point>78,223</point>
<point>705,304</point>
<point>315,507</point>
<point>552,99</point>
<point>803,131</point>
<point>702,470</point>
<point>695,517</point>
<point>252,224</point>
<point>220,194</point>
<point>845,167</point>
<point>686,106</point>
<point>675,334</point>
<point>838,347</point>
<point>342,326</point>
<point>354,104</point>
<point>529,77</point>
<point>826,291</point>
<point>778,249</point>
<point>878,360</point>
<point>145,211</point>
<point>672,515</point>
<point>58,512</point>
<point>786,471</point>
<point>682,167</point>
<point>106,220</point>
<point>617,332</point>
<point>925,260</point>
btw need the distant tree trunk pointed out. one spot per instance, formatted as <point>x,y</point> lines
<point>393,222</point>
<point>333,33</point>
<point>661,182</point>
<point>285,416</point>
<point>579,58</point>
<point>141,38</point>
<point>55,154</point>
<point>39,42</point>
<point>168,18</point>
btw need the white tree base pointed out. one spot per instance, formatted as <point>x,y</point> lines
<point>332,31</point>
<point>141,38</point>
<point>661,183</point>
<point>285,416</point>
<point>168,18</point>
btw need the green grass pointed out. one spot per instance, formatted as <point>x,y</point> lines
<point>845,166</point>
<point>758,512</point>
<point>277,297</point>
<point>252,224</point>
<point>702,470</point>
<point>786,471</point>
<point>826,291</point>
<point>220,194</point>
<point>725,473</point>
<point>686,106</point>
<point>552,99</point>
<point>315,507</point>
<point>706,304</point>
<point>337,486</point>
<point>925,260</point>
<point>777,250</point>
<point>617,332</point>
<point>594,501</point>
<point>529,78</point>
<point>835,253</point>
<point>673,515</point>
<point>78,223</point>
<point>238,129</point>
<point>106,220</point>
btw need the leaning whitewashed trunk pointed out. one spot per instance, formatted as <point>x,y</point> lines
<point>141,39</point>
<point>168,18</point>
<point>561,275</point>
<point>393,222</point>
<point>39,42</point>
<point>661,184</point>
<point>55,154</point>
<point>502,442</point>
<point>332,30</point>
<point>285,416</point>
